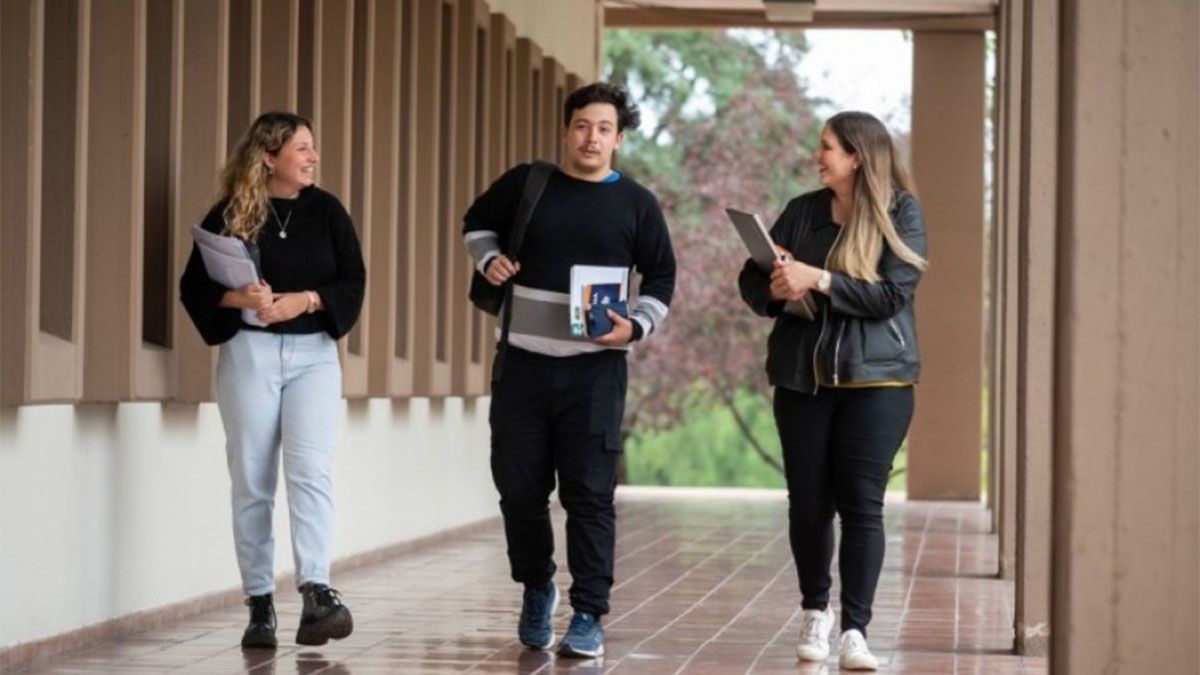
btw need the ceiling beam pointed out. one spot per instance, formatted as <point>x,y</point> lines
<point>933,15</point>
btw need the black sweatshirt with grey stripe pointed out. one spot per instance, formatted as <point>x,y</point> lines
<point>576,222</point>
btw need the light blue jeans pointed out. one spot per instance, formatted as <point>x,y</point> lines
<point>278,391</point>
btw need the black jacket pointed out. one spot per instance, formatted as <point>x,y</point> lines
<point>863,331</point>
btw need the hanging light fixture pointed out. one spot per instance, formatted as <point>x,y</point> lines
<point>790,11</point>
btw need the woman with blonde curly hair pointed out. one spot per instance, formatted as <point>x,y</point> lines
<point>843,377</point>
<point>279,384</point>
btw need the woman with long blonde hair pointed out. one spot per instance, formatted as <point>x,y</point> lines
<point>279,381</point>
<point>844,374</point>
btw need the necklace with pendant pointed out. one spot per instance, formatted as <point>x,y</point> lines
<point>283,224</point>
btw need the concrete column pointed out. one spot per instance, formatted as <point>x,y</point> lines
<point>947,153</point>
<point>1037,229</point>
<point>1003,382</point>
<point>1126,593</point>
<point>991,328</point>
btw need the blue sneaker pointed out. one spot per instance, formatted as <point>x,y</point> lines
<point>585,637</point>
<point>536,627</point>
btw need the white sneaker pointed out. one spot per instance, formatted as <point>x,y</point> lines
<point>855,655</point>
<point>814,634</point>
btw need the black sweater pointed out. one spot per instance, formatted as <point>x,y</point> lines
<point>321,253</point>
<point>579,222</point>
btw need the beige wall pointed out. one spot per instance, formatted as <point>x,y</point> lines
<point>1127,499</point>
<point>110,509</point>
<point>571,30</point>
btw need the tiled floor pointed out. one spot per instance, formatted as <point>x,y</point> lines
<point>705,584</point>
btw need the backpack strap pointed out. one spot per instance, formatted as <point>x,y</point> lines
<point>535,185</point>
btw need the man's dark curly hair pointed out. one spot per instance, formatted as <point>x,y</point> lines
<point>628,116</point>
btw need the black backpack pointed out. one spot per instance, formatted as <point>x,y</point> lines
<point>483,294</point>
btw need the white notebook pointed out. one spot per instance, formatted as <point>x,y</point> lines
<point>583,278</point>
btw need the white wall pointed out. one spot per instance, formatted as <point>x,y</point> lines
<point>111,509</point>
<point>564,29</point>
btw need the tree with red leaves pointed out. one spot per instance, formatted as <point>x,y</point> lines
<point>730,125</point>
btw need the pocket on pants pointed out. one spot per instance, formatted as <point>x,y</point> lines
<point>608,405</point>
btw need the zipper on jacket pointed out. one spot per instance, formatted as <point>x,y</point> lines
<point>825,321</point>
<point>897,333</point>
<point>837,348</point>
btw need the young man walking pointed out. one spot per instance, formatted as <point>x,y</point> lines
<point>558,398</point>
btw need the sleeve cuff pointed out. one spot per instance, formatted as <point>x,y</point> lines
<point>481,266</point>
<point>638,332</point>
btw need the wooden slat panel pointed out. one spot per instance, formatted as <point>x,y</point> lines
<point>431,360</point>
<point>20,131</point>
<point>470,117</point>
<point>528,100</point>
<point>553,94</point>
<point>387,45</point>
<point>201,130</point>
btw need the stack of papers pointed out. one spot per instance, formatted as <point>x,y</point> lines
<point>228,263</point>
<point>595,283</point>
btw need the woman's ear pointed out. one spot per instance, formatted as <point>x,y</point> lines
<point>267,163</point>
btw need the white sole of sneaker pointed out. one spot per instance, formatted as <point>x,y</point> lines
<point>565,650</point>
<point>859,664</point>
<point>811,655</point>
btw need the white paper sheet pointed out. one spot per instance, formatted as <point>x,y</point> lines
<point>228,264</point>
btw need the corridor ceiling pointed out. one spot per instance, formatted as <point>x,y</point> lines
<point>970,15</point>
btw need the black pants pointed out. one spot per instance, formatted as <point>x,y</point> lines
<point>560,415</point>
<point>838,448</point>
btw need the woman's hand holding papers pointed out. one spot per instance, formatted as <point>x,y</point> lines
<point>286,307</point>
<point>270,307</point>
<point>251,296</point>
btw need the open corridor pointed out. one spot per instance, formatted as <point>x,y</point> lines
<point>704,584</point>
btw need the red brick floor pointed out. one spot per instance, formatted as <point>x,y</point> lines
<point>704,584</point>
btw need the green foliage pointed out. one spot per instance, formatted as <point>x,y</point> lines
<point>706,448</point>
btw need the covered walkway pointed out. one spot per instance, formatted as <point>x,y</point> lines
<point>705,584</point>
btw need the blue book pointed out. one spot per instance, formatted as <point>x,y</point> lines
<point>600,298</point>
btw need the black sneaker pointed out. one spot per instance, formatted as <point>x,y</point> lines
<point>260,632</point>
<point>324,616</point>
